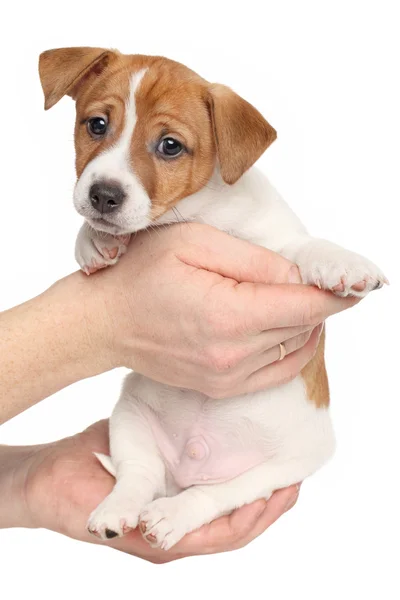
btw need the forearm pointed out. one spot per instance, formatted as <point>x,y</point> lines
<point>48,343</point>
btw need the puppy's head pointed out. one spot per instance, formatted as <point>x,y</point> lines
<point>149,132</point>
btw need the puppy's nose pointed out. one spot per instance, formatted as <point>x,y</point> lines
<point>106,196</point>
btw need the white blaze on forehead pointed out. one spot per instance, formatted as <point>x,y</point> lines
<point>124,141</point>
<point>116,164</point>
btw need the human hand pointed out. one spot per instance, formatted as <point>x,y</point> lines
<point>188,305</point>
<point>193,307</point>
<point>57,485</point>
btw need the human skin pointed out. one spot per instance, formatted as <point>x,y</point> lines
<point>188,305</point>
<point>55,486</point>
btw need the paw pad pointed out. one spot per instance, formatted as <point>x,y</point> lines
<point>109,533</point>
<point>110,254</point>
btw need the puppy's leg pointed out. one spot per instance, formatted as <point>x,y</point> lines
<point>333,268</point>
<point>138,467</point>
<point>95,250</point>
<point>166,520</point>
<point>321,263</point>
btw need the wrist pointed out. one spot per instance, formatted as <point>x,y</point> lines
<point>78,311</point>
<point>111,318</point>
<point>16,463</point>
<point>52,341</point>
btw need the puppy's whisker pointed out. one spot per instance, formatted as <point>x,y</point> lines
<point>154,228</point>
<point>214,186</point>
<point>179,217</point>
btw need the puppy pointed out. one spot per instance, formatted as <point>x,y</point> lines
<point>152,135</point>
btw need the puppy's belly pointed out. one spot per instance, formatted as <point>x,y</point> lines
<point>204,458</point>
<point>203,454</point>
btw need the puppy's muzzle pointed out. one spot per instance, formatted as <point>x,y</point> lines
<point>106,196</point>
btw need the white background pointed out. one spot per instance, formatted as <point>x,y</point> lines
<point>326,75</point>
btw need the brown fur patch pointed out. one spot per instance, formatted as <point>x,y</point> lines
<point>211,121</point>
<point>315,377</point>
<point>237,123</point>
<point>171,101</point>
<point>62,70</point>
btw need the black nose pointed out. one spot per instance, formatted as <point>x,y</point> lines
<point>106,197</point>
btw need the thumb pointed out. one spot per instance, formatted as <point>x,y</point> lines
<point>213,250</point>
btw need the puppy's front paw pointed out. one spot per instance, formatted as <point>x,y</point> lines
<point>338,270</point>
<point>114,517</point>
<point>96,250</point>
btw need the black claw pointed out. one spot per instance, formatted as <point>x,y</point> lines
<point>110,534</point>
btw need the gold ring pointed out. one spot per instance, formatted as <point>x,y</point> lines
<point>282,351</point>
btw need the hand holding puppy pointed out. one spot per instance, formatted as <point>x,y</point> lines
<point>54,486</point>
<point>193,307</point>
<point>188,305</point>
<point>175,286</point>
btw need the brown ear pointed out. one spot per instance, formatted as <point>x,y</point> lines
<point>63,70</point>
<point>241,132</point>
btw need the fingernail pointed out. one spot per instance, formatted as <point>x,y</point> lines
<point>291,502</point>
<point>294,275</point>
<point>293,499</point>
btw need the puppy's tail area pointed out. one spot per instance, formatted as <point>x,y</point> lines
<point>106,462</point>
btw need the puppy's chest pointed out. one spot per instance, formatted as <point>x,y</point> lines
<point>203,442</point>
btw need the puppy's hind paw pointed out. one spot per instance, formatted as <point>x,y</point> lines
<point>113,518</point>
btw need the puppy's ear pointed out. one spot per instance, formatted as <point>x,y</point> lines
<point>241,132</point>
<point>64,70</point>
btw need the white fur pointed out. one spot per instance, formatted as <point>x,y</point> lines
<point>301,433</point>
<point>301,437</point>
<point>106,462</point>
<point>114,164</point>
<point>95,249</point>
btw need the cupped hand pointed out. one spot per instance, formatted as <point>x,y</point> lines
<point>193,307</point>
<point>64,482</point>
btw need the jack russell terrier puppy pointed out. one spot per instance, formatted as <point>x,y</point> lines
<point>152,135</point>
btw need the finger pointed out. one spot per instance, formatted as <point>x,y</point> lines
<point>281,371</point>
<point>241,526</point>
<point>262,307</point>
<point>212,250</point>
<point>134,543</point>
<point>280,502</point>
<point>291,345</point>
<point>271,355</point>
<point>273,337</point>
<point>222,534</point>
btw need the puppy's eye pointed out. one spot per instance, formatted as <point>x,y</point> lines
<point>97,126</point>
<point>169,147</point>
